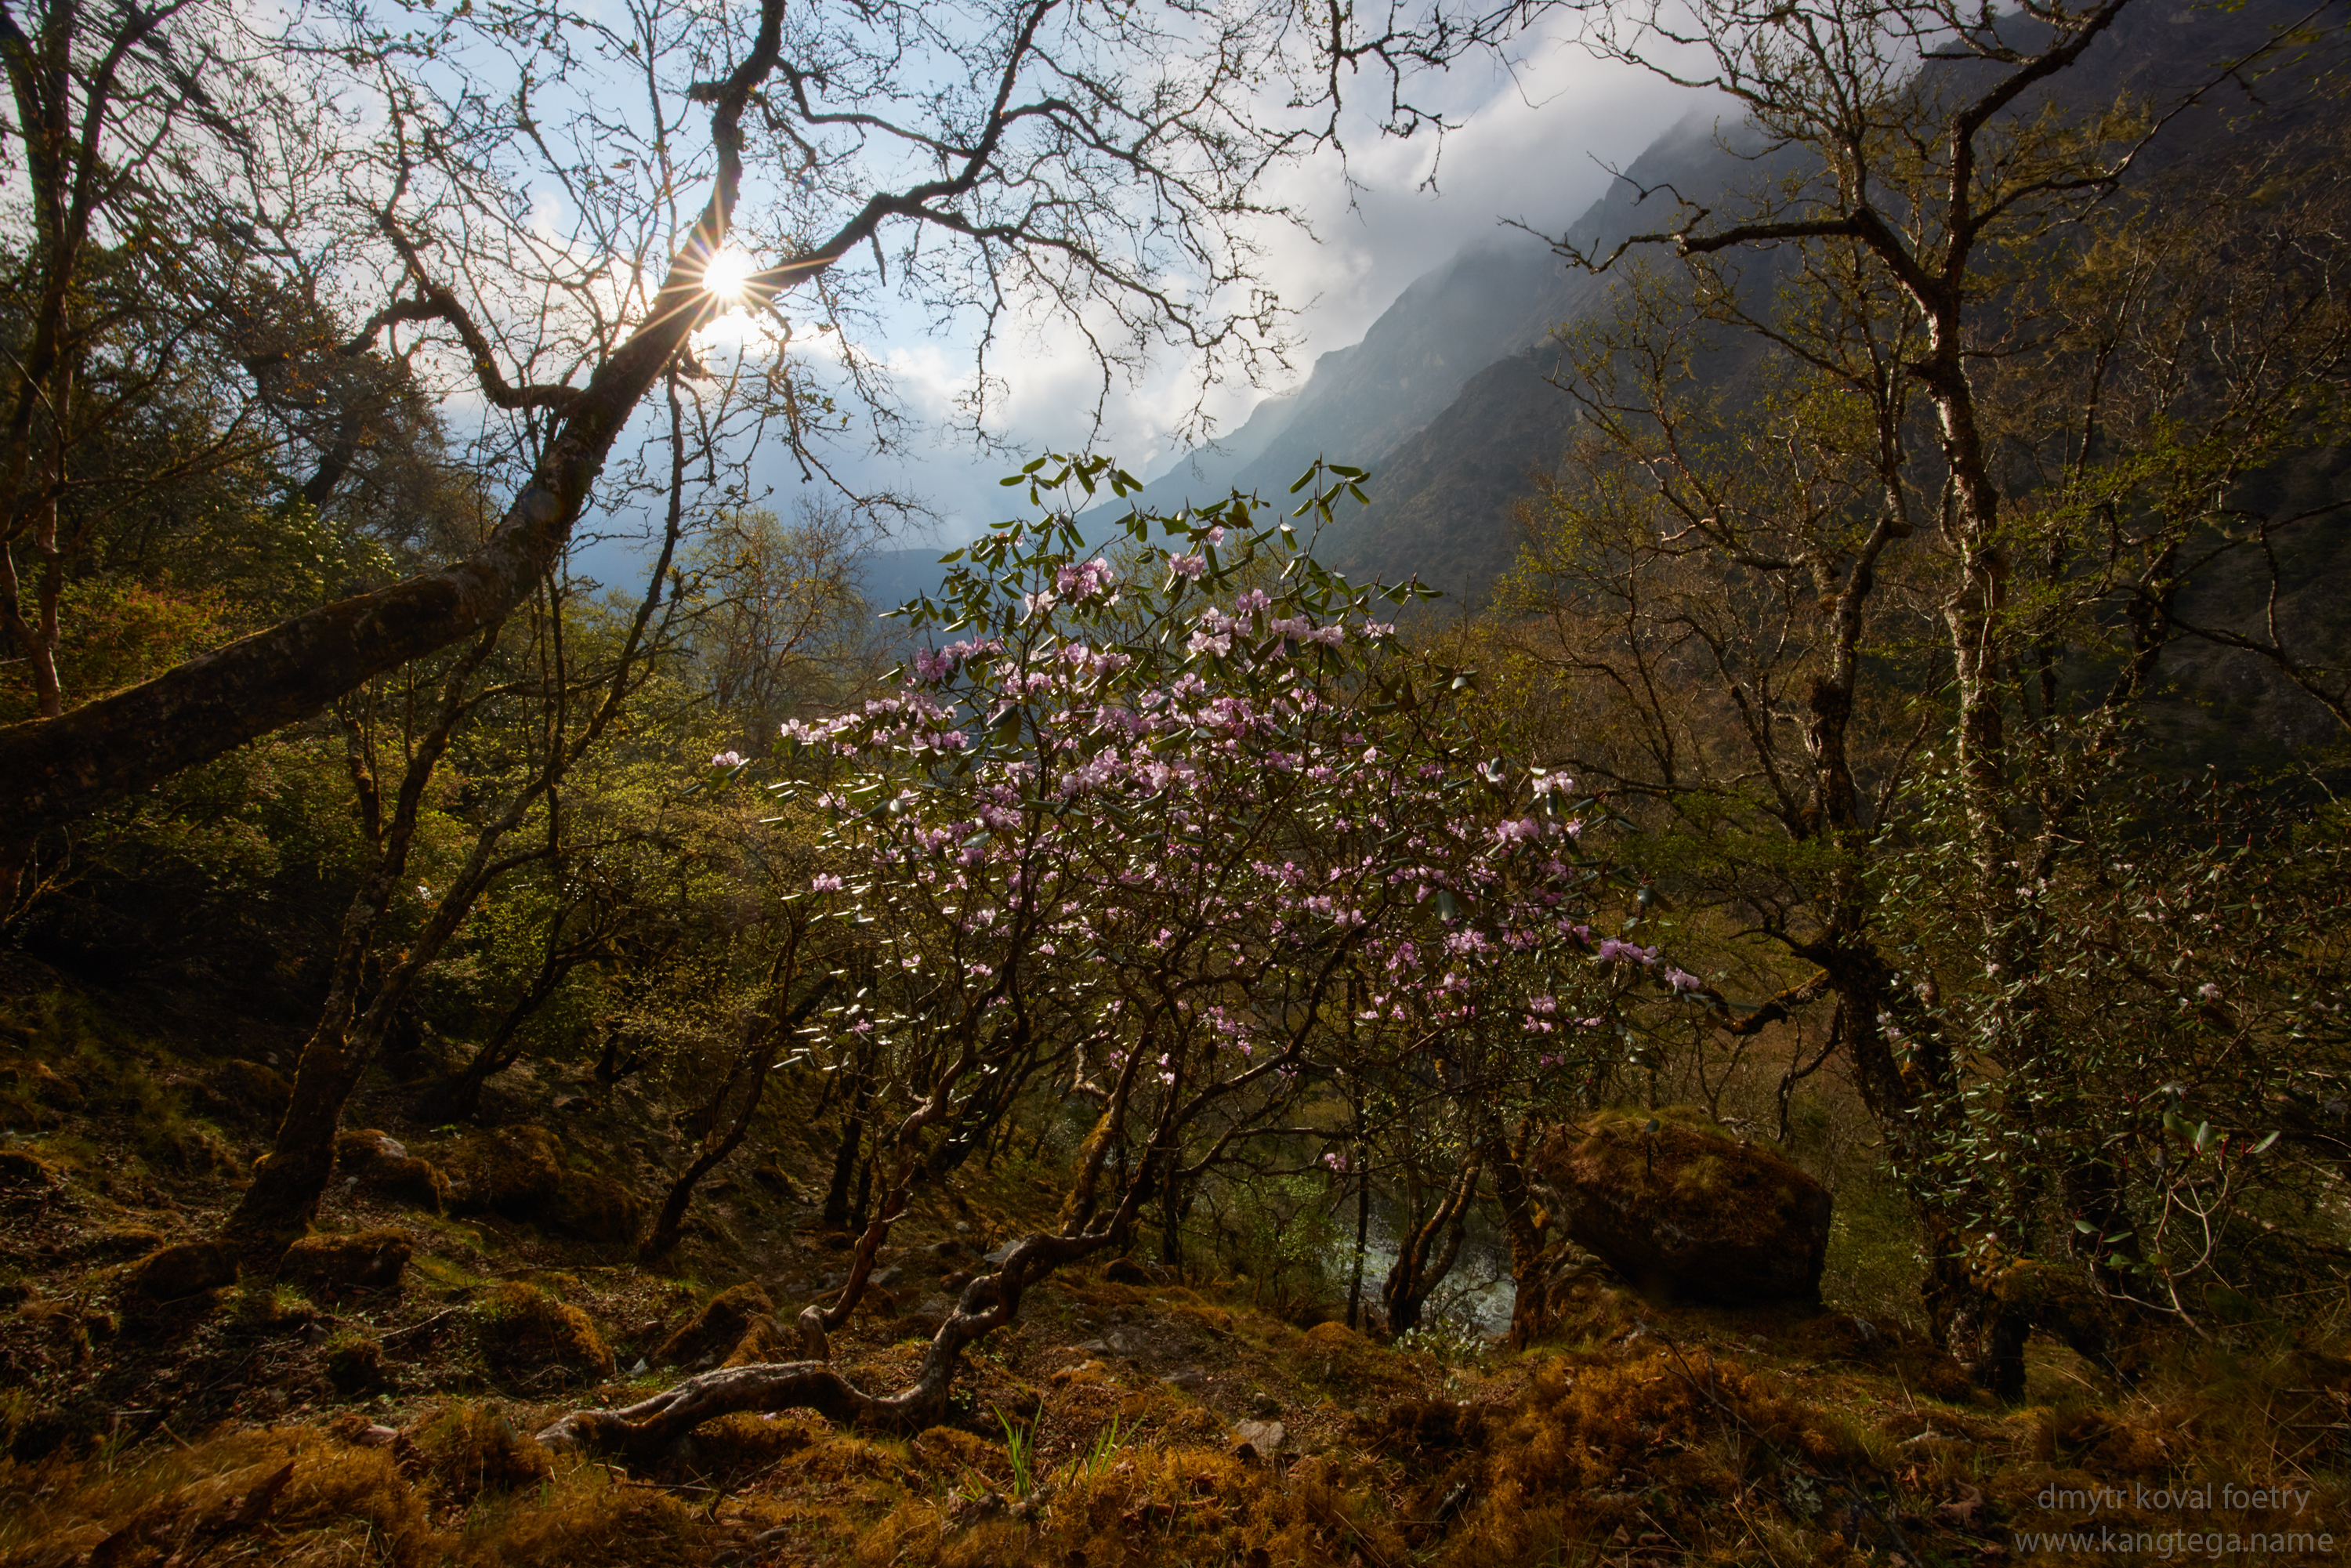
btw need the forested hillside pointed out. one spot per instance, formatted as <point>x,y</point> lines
<point>1807,1017</point>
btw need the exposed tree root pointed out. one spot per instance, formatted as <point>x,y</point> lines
<point>643,1432</point>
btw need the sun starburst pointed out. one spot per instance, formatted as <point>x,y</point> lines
<point>728,273</point>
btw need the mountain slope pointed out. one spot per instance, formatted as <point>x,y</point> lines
<point>1444,399</point>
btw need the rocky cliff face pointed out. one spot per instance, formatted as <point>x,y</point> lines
<point>1444,397</point>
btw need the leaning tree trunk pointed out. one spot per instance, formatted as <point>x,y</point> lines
<point>283,1198</point>
<point>288,1182</point>
<point>669,1225</point>
<point>64,767</point>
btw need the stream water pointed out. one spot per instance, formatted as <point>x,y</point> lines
<point>1479,1290</point>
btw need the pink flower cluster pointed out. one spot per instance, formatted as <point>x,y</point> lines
<point>1087,580</point>
<point>1178,856</point>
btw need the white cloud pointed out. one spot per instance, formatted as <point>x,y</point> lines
<point>1531,143</point>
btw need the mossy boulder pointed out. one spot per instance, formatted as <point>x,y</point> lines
<point>506,1171</point>
<point>517,1173</point>
<point>251,1091</point>
<point>24,1172</point>
<point>188,1148</point>
<point>1339,1357</point>
<point>526,1335</point>
<point>410,1182</point>
<point>591,1207</point>
<point>766,1339</point>
<point>113,1243</point>
<point>466,1450</point>
<point>718,1328</point>
<point>354,1362</point>
<point>328,1265</point>
<point>356,1148</point>
<point>1687,1213</point>
<point>185,1269</point>
<point>379,1165</point>
<point>37,1094</point>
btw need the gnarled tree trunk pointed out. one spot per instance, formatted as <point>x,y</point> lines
<point>644,1431</point>
<point>65,767</point>
<point>1427,1252</point>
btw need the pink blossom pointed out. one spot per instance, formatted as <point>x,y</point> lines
<point>727,760</point>
<point>1188,566</point>
<point>826,882</point>
<point>1084,580</point>
<point>1681,980</point>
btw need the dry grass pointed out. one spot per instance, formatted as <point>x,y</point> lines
<point>1656,1434</point>
<point>1640,1434</point>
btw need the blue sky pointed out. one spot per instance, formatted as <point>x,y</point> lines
<point>1535,137</point>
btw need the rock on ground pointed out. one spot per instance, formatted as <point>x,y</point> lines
<point>1687,1213</point>
<point>718,1328</point>
<point>364,1260</point>
<point>184,1269</point>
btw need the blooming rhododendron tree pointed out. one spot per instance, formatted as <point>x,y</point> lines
<point>1149,835</point>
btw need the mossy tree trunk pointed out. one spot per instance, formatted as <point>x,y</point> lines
<point>289,1181</point>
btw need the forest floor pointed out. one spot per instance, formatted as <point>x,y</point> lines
<point>1128,1416</point>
